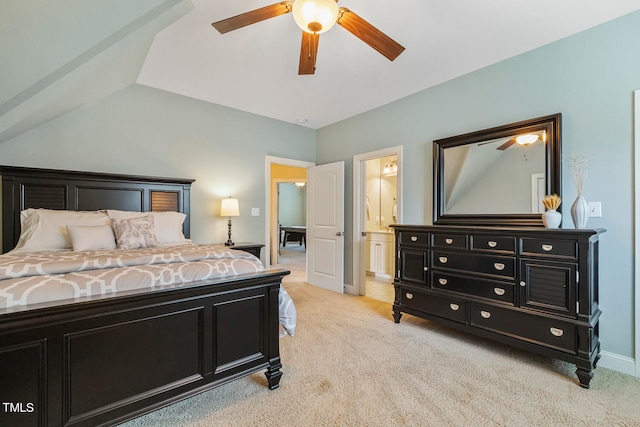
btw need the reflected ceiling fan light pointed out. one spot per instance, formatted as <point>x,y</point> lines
<point>315,16</point>
<point>527,139</point>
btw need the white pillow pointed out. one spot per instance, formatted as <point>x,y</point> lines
<point>46,230</point>
<point>168,225</point>
<point>287,312</point>
<point>92,237</point>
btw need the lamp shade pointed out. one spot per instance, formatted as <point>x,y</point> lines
<point>315,16</point>
<point>229,207</point>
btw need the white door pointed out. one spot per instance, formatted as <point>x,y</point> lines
<point>325,226</point>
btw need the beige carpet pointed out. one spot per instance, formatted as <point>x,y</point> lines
<point>351,365</point>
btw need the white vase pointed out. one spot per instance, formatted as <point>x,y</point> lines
<point>580,212</point>
<point>551,218</point>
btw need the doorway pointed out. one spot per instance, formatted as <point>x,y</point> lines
<point>377,203</point>
<point>278,170</point>
<point>291,218</point>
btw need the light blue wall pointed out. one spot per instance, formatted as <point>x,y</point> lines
<point>145,131</point>
<point>292,204</point>
<point>589,78</point>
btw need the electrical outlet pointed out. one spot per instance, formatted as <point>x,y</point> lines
<point>255,211</point>
<point>595,209</point>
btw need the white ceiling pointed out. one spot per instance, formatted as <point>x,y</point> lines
<point>255,68</point>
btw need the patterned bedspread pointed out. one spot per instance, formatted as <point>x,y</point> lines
<point>35,277</point>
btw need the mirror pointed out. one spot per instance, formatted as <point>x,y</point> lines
<point>497,176</point>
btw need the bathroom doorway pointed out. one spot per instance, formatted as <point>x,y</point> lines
<point>377,196</point>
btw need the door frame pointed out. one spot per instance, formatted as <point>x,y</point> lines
<point>636,150</point>
<point>269,160</point>
<point>358,278</point>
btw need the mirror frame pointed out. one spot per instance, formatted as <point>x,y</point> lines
<point>553,180</point>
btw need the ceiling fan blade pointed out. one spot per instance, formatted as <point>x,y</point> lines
<point>252,17</point>
<point>507,144</point>
<point>369,34</point>
<point>308,53</point>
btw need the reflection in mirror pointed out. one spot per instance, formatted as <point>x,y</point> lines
<point>474,180</point>
<point>497,176</point>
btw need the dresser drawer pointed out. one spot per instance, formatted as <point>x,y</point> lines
<point>493,243</point>
<point>503,266</point>
<point>484,288</point>
<point>551,333</point>
<point>448,308</point>
<point>566,248</point>
<point>410,238</point>
<point>458,241</point>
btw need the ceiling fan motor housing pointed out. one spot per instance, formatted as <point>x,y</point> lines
<point>315,16</point>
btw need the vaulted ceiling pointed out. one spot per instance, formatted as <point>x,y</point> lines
<point>57,56</point>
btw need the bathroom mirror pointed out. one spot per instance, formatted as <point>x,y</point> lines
<point>497,176</point>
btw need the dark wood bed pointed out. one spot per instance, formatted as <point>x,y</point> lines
<point>102,360</point>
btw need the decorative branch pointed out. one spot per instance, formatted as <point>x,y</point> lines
<point>578,165</point>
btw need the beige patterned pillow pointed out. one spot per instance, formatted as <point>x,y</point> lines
<point>135,232</point>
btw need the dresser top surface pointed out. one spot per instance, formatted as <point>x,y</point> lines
<point>560,232</point>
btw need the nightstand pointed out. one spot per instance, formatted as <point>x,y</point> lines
<point>252,248</point>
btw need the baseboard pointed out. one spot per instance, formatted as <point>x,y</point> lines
<point>619,363</point>
<point>350,289</point>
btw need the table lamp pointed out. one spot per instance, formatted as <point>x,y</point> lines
<point>229,208</point>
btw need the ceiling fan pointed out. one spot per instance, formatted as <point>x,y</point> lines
<point>523,140</point>
<point>315,17</point>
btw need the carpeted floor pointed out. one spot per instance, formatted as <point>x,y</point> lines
<point>349,364</point>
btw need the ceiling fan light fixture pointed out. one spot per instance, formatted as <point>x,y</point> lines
<point>315,16</point>
<point>527,139</point>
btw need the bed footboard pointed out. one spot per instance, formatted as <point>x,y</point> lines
<point>103,361</point>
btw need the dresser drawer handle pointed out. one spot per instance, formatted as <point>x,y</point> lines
<point>547,248</point>
<point>442,281</point>
<point>499,291</point>
<point>425,268</point>
<point>454,307</point>
<point>414,238</point>
<point>492,244</point>
<point>499,266</point>
<point>448,241</point>
<point>485,314</point>
<point>523,283</point>
<point>408,295</point>
<point>557,332</point>
<point>443,259</point>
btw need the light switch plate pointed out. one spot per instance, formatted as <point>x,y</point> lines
<point>595,210</point>
<point>255,211</point>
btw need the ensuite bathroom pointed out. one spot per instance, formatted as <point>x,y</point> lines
<point>380,212</point>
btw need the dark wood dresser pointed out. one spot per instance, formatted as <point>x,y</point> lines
<point>532,288</point>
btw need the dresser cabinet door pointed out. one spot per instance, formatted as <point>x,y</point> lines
<point>413,266</point>
<point>548,286</point>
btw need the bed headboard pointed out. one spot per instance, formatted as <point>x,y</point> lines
<point>24,188</point>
